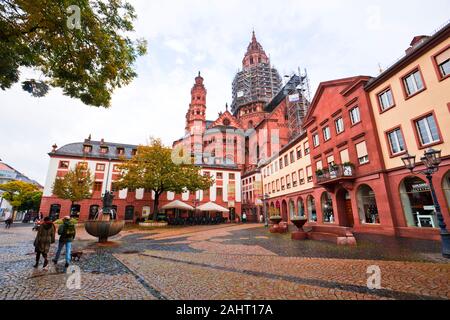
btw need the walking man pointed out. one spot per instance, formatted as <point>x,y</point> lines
<point>66,233</point>
<point>44,238</point>
<point>8,219</point>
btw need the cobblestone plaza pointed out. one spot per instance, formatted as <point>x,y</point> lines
<point>225,262</point>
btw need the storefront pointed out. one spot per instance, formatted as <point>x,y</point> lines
<point>417,203</point>
<point>367,205</point>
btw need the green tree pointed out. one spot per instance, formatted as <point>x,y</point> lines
<point>87,63</point>
<point>152,169</point>
<point>75,186</point>
<point>21,195</point>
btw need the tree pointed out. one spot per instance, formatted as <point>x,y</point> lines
<point>75,186</point>
<point>88,62</point>
<point>21,195</point>
<point>152,169</point>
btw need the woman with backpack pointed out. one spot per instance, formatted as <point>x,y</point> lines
<point>44,238</point>
<point>67,234</point>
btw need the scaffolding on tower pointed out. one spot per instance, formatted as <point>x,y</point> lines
<point>298,101</point>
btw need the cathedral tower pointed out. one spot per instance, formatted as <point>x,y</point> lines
<point>196,114</point>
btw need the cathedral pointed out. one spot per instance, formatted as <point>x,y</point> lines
<point>254,129</point>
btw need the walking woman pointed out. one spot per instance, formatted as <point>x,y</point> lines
<point>44,238</point>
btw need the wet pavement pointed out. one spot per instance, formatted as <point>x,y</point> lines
<point>225,262</point>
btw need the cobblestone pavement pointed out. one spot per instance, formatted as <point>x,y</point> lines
<point>226,262</point>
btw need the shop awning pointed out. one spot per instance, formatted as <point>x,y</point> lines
<point>211,206</point>
<point>178,205</point>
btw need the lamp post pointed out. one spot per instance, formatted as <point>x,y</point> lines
<point>266,221</point>
<point>432,159</point>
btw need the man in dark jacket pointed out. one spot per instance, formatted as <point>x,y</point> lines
<point>66,235</point>
<point>44,238</point>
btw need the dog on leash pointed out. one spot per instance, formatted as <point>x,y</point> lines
<point>76,255</point>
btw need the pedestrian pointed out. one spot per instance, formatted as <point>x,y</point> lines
<point>244,217</point>
<point>261,218</point>
<point>67,234</point>
<point>44,238</point>
<point>8,219</point>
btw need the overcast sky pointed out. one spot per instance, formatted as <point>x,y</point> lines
<point>332,39</point>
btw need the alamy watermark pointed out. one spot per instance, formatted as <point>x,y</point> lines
<point>73,281</point>
<point>374,279</point>
<point>74,19</point>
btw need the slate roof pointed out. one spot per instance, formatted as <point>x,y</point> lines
<point>77,150</point>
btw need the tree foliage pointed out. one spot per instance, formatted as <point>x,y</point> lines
<point>152,169</point>
<point>88,63</point>
<point>75,186</point>
<point>21,195</point>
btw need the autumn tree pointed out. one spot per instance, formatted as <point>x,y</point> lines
<point>75,186</point>
<point>152,169</point>
<point>21,195</point>
<point>80,46</point>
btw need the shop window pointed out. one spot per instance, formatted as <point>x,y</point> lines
<point>417,203</point>
<point>367,205</point>
<point>292,209</point>
<point>446,187</point>
<point>312,212</point>
<point>327,208</point>
<point>300,208</point>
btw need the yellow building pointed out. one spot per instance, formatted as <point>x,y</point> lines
<point>288,180</point>
<point>411,108</point>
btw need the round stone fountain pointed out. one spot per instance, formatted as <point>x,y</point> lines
<point>105,224</point>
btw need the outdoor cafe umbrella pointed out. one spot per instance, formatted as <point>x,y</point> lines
<point>178,205</point>
<point>211,206</point>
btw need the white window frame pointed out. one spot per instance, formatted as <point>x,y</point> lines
<point>316,140</point>
<point>384,98</point>
<point>326,133</point>
<point>339,123</point>
<point>352,115</point>
<point>428,131</point>
<point>396,141</point>
<point>414,83</point>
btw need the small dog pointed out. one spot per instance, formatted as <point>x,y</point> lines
<point>76,255</point>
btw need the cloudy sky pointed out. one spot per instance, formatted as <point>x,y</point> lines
<point>332,39</point>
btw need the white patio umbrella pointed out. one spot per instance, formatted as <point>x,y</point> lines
<point>211,206</point>
<point>178,205</point>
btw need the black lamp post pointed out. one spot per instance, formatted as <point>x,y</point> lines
<point>432,159</point>
<point>266,221</point>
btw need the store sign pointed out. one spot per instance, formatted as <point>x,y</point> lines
<point>429,208</point>
<point>420,187</point>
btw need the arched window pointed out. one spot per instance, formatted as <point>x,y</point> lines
<point>292,209</point>
<point>367,205</point>
<point>417,203</point>
<point>300,208</point>
<point>327,207</point>
<point>446,187</point>
<point>311,205</point>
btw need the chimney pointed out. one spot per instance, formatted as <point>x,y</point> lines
<point>416,41</point>
<point>54,147</point>
<point>102,141</point>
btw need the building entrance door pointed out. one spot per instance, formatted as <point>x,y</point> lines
<point>349,213</point>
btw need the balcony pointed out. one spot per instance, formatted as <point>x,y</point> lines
<point>335,174</point>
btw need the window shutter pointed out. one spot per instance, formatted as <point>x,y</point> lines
<point>361,149</point>
<point>444,56</point>
<point>330,159</point>
<point>344,156</point>
<point>319,165</point>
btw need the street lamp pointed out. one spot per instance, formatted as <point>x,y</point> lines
<point>266,220</point>
<point>431,160</point>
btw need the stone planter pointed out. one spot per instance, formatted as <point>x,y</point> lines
<point>300,234</point>
<point>276,220</point>
<point>103,229</point>
<point>153,224</point>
